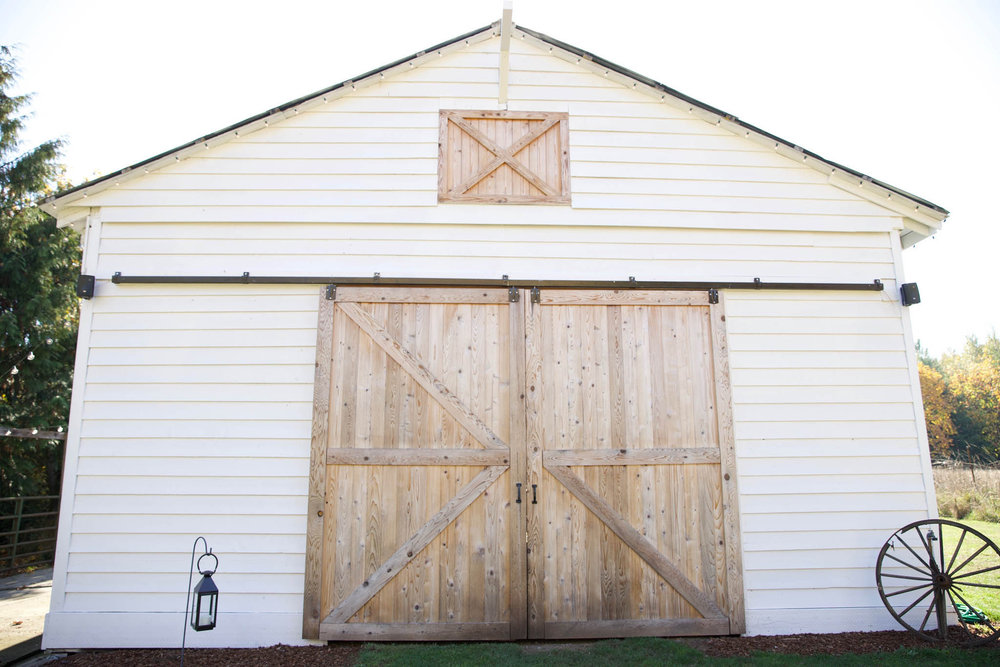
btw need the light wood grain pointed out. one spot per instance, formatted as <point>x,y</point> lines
<point>518,468</point>
<point>727,445</point>
<point>417,457</point>
<point>347,293</point>
<point>631,457</point>
<point>636,541</point>
<point>670,627</point>
<point>567,297</point>
<point>404,554</point>
<point>533,444</point>
<point>311,609</point>
<point>414,632</point>
<point>431,384</point>
<point>509,157</point>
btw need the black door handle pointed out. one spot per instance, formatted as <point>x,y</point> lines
<point>534,494</point>
<point>518,493</point>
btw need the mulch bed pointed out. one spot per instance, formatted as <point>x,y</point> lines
<point>813,644</point>
<point>345,654</point>
<point>335,655</point>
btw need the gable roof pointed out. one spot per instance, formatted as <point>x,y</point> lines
<point>922,218</point>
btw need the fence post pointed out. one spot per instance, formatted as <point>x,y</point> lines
<point>18,511</point>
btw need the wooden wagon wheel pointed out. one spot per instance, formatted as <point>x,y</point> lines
<point>933,573</point>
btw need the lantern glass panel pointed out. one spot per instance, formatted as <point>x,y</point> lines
<point>206,596</point>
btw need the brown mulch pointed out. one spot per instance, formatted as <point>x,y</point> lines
<point>345,654</point>
<point>810,644</point>
<point>335,655</point>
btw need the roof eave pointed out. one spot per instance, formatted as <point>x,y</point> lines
<point>60,200</point>
<point>926,214</point>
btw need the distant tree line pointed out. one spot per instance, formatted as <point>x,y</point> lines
<point>961,392</point>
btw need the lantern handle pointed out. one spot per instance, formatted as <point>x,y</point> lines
<point>208,573</point>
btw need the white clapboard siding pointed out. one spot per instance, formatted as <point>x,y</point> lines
<point>619,170</point>
<point>470,251</point>
<point>161,603</point>
<point>828,469</point>
<point>238,563</point>
<point>501,215</point>
<point>183,483</point>
<point>197,399</point>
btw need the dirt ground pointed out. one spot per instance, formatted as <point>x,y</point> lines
<point>346,654</point>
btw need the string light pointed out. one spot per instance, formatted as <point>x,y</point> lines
<point>14,371</point>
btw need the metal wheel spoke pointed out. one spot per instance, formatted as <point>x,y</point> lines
<point>915,603</point>
<point>928,614</point>
<point>982,617</point>
<point>969,574</point>
<point>904,576</point>
<point>910,565</point>
<point>907,590</point>
<point>915,554</point>
<point>959,584</point>
<point>969,559</point>
<point>958,548</point>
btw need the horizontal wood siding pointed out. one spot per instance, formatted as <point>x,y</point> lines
<point>373,157</point>
<point>197,400</point>
<point>183,436</point>
<point>826,440</point>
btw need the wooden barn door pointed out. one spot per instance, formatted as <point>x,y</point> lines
<point>629,438</point>
<point>560,466</point>
<point>413,529</point>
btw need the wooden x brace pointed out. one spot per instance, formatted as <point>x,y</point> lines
<point>504,156</point>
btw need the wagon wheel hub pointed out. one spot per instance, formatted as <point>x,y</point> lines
<point>942,581</point>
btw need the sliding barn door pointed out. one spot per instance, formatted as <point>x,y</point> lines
<point>414,532</point>
<point>630,445</point>
<point>485,466</point>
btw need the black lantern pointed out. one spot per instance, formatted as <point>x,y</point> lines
<point>206,598</point>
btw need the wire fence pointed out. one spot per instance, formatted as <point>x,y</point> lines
<point>27,531</point>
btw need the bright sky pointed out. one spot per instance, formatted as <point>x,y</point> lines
<point>906,91</point>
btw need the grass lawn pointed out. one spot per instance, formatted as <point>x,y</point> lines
<point>643,651</point>
<point>986,599</point>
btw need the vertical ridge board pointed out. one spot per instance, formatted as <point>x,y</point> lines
<point>317,472</point>
<point>533,445</point>
<point>727,445</point>
<point>518,572</point>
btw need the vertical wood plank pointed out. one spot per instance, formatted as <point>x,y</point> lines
<point>311,611</point>
<point>517,438</point>
<point>727,444</point>
<point>533,449</point>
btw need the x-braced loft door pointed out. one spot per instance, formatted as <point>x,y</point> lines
<point>485,467</point>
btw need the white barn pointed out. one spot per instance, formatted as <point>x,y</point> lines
<point>681,335</point>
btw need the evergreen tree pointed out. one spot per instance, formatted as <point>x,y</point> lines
<point>38,307</point>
